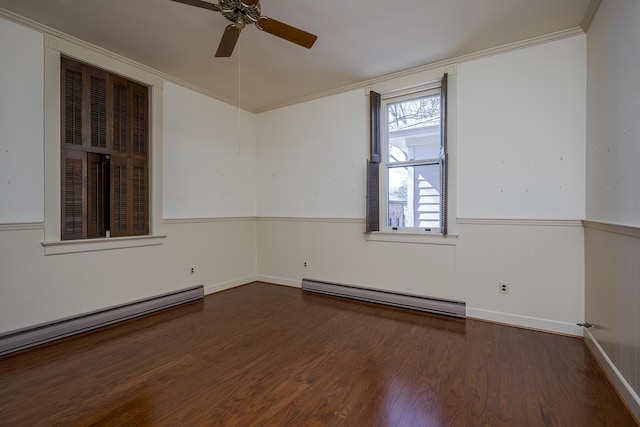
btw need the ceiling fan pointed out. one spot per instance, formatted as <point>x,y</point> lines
<point>242,12</point>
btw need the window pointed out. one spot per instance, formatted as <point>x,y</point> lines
<point>104,154</point>
<point>407,170</point>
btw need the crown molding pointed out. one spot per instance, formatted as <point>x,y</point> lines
<point>571,32</point>
<point>49,32</point>
<point>590,14</point>
<point>451,63</point>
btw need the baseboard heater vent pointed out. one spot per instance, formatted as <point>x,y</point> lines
<point>414,302</point>
<point>21,339</point>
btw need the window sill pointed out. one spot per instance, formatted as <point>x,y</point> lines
<point>425,239</point>
<point>60,247</point>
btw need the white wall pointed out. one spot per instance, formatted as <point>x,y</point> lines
<point>613,151</point>
<point>312,158</point>
<point>495,101</point>
<point>209,158</point>
<point>37,288</point>
<point>21,110</point>
<point>521,133</point>
<point>521,155</point>
<point>612,240</point>
<point>543,263</point>
<point>311,201</point>
<point>336,250</point>
<point>308,192</point>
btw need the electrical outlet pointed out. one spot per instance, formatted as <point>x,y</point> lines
<point>193,270</point>
<point>305,264</point>
<point>503,288</point>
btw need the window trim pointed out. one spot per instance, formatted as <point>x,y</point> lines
<point>376,224</point>
<point>404,237</point>
<point>59,247</point>
<point>55,48</point>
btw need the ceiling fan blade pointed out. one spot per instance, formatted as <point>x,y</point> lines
<point>287,32</point>
<point>250,2</point>
<point>228,42</point>
<point>200,3</point>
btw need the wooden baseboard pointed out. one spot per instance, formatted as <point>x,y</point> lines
<point>527,322</point>
<point>622,387</point>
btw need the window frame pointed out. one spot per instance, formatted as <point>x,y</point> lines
<point>378,167</point>
<point>386,165</point>
<point>55,48</point>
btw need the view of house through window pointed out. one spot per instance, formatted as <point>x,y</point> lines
<point>412,159</point>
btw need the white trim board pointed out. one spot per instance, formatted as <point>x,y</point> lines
<point>21,226</point>
<point>401,237</point>
<point>310,219</point>
<point>543,325</point>
<point>625,230</point>
<point>624,389</point>
<point>521,221</point>
<point>173,221</point>
<point>59,247</point>
<point>223,286</point>
<point>280,281</point>
<point>590,14</point>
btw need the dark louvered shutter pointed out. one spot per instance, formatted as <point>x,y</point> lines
<point>96,195</point>
<point>140,197</point>
<point>139,119</point>
<point>373,196</point>
<point>104,153</point>
<point>119,197</point>
<point>139,162</point>
<point>73,201</point>
<point>376,143</point>
<point>443,156</point>
<point>129,162</point>
<point>121,118</point>
<point>373,165</point>
<point>73,160</point>
<point>72,97</point>
<point>98,109</point>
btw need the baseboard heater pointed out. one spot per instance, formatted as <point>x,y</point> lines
<point>413,302</point>
<point>40,334</point>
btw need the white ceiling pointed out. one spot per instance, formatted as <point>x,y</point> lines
<point>357,40</point>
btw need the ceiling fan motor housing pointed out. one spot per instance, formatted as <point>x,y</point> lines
<point>242,12</point>
<point>236,11</point>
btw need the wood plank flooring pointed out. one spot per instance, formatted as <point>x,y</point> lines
<point>264,355</point>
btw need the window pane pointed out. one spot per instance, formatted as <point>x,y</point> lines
<point>397,197</point>
<point>414,196</point>
<point>413,129</point>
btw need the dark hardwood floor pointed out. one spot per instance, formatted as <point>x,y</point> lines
<point>263,355</point>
